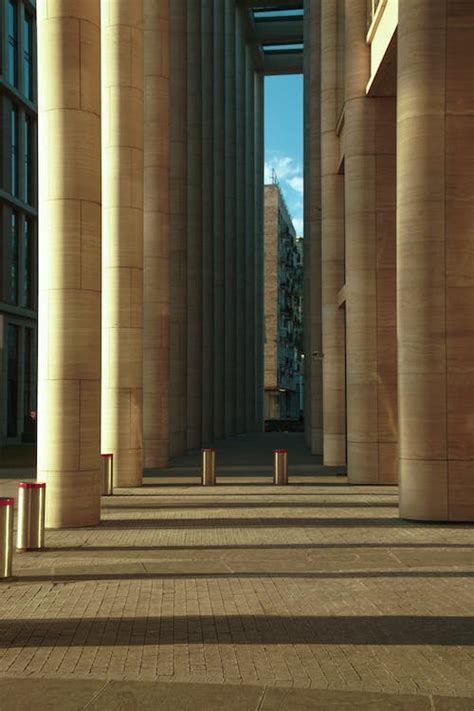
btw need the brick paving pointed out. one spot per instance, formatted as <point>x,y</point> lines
<point>315,585</point>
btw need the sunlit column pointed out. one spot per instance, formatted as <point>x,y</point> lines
<point>122,239</point>
<point>435,259</point>
<point>69,261</point>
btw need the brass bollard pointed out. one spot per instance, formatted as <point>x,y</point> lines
<point>6,538</point>
<point>31,511</point>
<point>280,466</point>
<point>208,467</point>
<point>108,474</point>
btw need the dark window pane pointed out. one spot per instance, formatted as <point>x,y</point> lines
<point>14,257</point>
<point>28,57</point>
<point>27,291</point>
<point>28,358</point>
<point>12,380</point>
<point>12,18</point>
<point>14,150</point>
<point>27,143</point>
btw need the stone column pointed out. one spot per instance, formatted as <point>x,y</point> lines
<point>194,226</point>
<point>249,280</point>
<point>369,167</point>
<point>259,250</point>
<point>218,209</point>
<point>178,229</point>
<point>435,259</point>
<point>314,235</point>
<point>208,293</point>
<point>240,222</point>
<point>230,221</point>
<point>307,31</point>
<point>156,350</point>
<point>122,242</point>
<point>69,262</point>
<point>332,245</point>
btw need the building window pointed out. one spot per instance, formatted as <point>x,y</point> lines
<point>28,56</point>
<point>28,372</point>
<point>14,150</point>
<point>28,145</point>
<point>12,379</point>
<point>12,28</point>
<point>14,258</point>
<point>27,291</point>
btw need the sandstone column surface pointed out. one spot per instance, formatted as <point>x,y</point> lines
<point>69,261</point>
<point>122,244</point>
<point>435,259</point>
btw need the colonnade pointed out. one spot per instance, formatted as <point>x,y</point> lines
<point>396,234</point>
<point>162,268</point>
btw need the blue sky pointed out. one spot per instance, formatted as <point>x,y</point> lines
<point>284,139</point>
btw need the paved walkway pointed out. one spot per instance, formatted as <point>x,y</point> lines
<point>243,596</point>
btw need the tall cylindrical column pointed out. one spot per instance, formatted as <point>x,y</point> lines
<point>369,171</point>
<point>435,266</point>
<point>240,222</point>
<point>178,227</point>
<point>308,29</point>
<point>208,288</point>
<point>122,238</point>
<point>194,226</point>
<point>230,232</point>
<point>249,281</point>
<point>314,224</point>
<point>219,154</point>
<point>259,252</point>
<point>332,246</point>
<point>156,239</point>
<point>69,261</point>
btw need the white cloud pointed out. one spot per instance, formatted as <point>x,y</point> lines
<point>296,183</point>
<point>284,166</point>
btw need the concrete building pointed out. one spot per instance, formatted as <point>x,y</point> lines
<point>151,237</point>
<point>283,284</point>
<point>18,221</point>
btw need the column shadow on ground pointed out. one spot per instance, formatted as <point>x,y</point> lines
<point>238,629</point>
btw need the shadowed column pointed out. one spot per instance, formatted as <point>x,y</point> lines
<point>122,244</point>
<point>332,245</point>
<point>69,262</point>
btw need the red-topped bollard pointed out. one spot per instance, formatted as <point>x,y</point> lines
<point>208,467</point>
<point>108,474</point>
<point>6,537</point>
<point>280,466</point>
<point>31,512</point>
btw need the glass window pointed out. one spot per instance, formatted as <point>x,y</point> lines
<point>14,149</point>
<point>27,290</point>
<point>27,143</point>
<point>12,380</point>
<point>14,256</point>
<point>28,56</point>
<point>12,27</point>
<point>28,359</point>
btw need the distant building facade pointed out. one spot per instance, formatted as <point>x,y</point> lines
<point>283,281</point>
<point>18,215</point>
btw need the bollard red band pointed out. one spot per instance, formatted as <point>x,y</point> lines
<point>106,455</point>
<point>32,485</point>
<point>208,450</point>
<point>6,502</point>
<point>280,451</point>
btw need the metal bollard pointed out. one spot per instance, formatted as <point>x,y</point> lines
<point>6,538</point>
<point>208,467</point>
<point>108,474</point>
<point>280,466</point>
<point>31,511</point>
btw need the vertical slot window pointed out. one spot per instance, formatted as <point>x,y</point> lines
<point>12,28</point>
<point>12,379</point>
<point>27,143</point>
<point>14,150</point>
<point>28,57</point>
<point>14,257</point>
<point>27,291</point>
